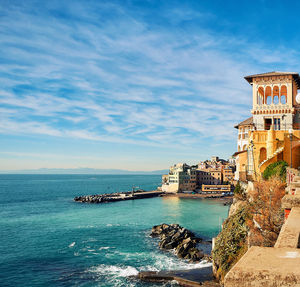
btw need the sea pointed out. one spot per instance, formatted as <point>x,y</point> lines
<point>47,239</point>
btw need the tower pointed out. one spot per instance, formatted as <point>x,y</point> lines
<point>275,123</point>
<point>274,100</point>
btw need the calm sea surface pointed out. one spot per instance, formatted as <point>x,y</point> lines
<point>49,240</point>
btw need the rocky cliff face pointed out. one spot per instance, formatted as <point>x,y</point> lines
<point>231,243</point>
<point>255,219</point>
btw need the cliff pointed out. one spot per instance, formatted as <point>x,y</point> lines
<point>255,219</point>
<point>231,243</point>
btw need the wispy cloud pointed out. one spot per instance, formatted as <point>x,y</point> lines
<point>107,72</point>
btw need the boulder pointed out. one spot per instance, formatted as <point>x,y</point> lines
<point>178,238</point>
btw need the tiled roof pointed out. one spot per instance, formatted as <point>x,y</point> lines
<point>274,73</point>
<point>238,152</point>
<point>246,122</point>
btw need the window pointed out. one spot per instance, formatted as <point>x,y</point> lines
<point>283,94</point>
<point>277,124</point>
<point>260,95</point>
<point>268,123</point>
<point>276,95</point>
<point>268,94</point>
<point>283,99</point>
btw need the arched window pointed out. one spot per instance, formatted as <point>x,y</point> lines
<point>260,95</point>
<point>245,147</point>
<point>262,154</point>
<point>283,94</point>
<point>275,95</point>
<point>239,148</point>
<point>268,96</point>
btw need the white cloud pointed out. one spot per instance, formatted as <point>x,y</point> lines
<point>123,80</point>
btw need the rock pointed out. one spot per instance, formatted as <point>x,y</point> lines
<point>181,240</point>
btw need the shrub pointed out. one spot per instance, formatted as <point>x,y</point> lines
<point>237,189</point>
<point>231,243</point>
<point>239,192</point>
<point>268,217</point>
<point>276,169</point>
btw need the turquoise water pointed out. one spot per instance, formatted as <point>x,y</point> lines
<point>47,239</point>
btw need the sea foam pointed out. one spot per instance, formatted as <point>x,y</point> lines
<point>72,244</point>
<point>119,271</point>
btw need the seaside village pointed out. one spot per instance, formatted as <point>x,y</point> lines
<point>270,135</point>
<point>260,240</point>
<point>215,176</point>
<point>259,244</point>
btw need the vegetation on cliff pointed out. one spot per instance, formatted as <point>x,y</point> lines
<point>277,169</point>
<point>231,243</point>
<point>267,215</point>
<point>239,192</point>
<point>256,219</point>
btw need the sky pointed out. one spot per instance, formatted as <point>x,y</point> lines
<point>136,85</point>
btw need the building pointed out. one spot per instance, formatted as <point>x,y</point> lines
<point>273,131</point>
<point>226,188</point>
<point>181,177</point>
<point>209,176</point>
<point>243,133</point>
<point>228,175</point>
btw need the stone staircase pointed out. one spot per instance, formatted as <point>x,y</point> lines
<point>278,151</point>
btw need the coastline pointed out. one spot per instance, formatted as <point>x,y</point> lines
<point>198,196</point>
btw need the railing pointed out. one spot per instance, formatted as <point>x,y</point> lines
<point>290,174</point>
<point>283,126</point>
<point>272,106</point>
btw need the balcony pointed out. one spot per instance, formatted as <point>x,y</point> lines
<point>273,107</point>
<point>279,108</point>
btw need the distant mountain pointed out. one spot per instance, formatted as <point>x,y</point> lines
<point>80,171</point>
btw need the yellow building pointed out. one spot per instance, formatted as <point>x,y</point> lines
<point>209,176</point>
<point>228,175</point>
<point>273,131</point>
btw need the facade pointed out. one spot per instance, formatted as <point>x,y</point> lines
<point>243,135</point>
<point>274,131</point>
<point>228,175</point>
<point>182,177</point>
<point>216,188</point>
<point>209,176</point>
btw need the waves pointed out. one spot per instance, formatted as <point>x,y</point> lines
<point>72,244</point>
<point>114,262</point>
<point>118,271</point>
<point>119,275</point>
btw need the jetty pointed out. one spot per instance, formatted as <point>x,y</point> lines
<point>189,278</point>
<point>120,196</point>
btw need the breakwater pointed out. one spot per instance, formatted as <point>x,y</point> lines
<point>183,241</point>
<point>190,278</point>
<point>112,197</point>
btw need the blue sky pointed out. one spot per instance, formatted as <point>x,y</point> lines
<point>137,85</point>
